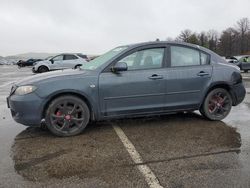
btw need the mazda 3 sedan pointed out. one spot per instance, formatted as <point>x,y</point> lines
<point>134,80</point>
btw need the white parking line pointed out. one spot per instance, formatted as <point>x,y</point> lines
<point>244,77</point>
<point>149,176</point>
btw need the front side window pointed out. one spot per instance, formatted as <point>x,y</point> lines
<point>58,58</point>
<point>145,59</point>
<point>182,56</point>
<point>70,57</point>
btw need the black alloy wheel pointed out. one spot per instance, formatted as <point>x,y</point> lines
<point>217,104</point>
<point>67,116</point>
<point>42,69</point>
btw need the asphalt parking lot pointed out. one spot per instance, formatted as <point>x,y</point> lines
<point>178,150</point>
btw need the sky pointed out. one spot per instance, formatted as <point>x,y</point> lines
<point>95,26</point>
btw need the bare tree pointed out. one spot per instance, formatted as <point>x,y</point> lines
<point>185,35</point>
<point>203,38</point>
<point>213,38</point>
<point>232,41</point>
<point>243,27</point>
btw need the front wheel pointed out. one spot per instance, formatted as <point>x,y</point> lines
<point>77,66</point>
<point>67,116</point>
<point>42,69</point>
<point>217,104</point>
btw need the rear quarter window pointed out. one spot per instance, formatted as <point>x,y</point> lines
<point>82,56</point>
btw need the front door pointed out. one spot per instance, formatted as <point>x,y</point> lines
<point>57,62</point>
<point>140,89</point>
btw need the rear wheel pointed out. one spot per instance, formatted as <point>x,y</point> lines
<point>67,116</point>
<point>217,104</point>
<point>245,71</point>
<point>42,69</point>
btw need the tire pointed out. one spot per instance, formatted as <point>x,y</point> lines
<point>77,66</point>
<point>67,116</point>
<point>43,126</point>
<point>20,65</point>
<point>217,104</point>
<point>42,69</point>
<point>246,71</point>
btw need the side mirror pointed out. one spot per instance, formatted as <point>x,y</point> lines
<point>52,61</point>
<point>120,66</point>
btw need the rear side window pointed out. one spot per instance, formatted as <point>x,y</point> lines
<point>70,57</point>
<point>183,56</point>
<point>82,56</point>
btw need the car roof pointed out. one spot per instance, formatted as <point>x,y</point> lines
<point>77,54</point>
<point>68,54</point>
<point>168,42</point>
<point>131,46</point>
<point>161,42</point>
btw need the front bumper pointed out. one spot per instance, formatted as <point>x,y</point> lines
<point>238,93</point>
<point>34,70</point>
<point>26,109</point>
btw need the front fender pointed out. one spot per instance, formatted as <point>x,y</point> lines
<point>74,84</point>
<point>89,100</point>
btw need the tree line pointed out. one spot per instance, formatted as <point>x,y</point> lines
<point>230,42</point>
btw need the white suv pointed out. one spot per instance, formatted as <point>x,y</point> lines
<point>61,61</point>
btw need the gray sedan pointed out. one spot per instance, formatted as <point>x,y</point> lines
<point>133,80</point>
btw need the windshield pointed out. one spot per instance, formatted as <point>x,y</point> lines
<point>99,61</point>
<point>47,58</point>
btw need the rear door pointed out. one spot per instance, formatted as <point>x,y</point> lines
<point>57,62</point>
<point>188,76</point>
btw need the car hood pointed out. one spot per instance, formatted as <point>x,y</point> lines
<point>33,80</point>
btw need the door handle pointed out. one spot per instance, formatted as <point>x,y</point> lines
<point>155,77</point>
<point>202,73</point>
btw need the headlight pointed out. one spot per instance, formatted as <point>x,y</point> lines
<point>23,90</point>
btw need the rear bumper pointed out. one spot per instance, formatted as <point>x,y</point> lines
<point>26,109</point>
<point>238,93</point>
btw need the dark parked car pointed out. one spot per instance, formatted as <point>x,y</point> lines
<point>134,80</point>
<point>243,62</point>
<point>29,62</point>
